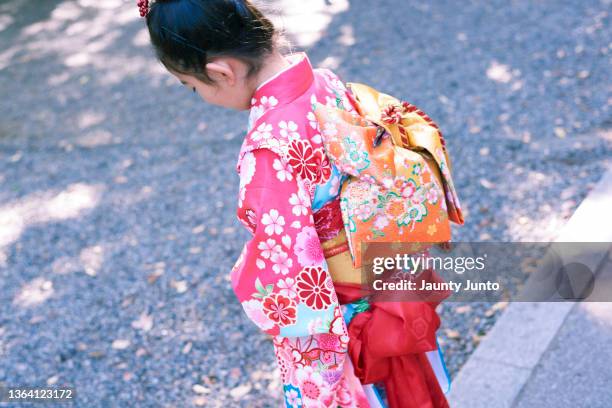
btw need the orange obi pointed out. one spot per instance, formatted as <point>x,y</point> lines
<point>400,187</point>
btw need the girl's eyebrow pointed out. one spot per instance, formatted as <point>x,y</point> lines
<point>183,82</point>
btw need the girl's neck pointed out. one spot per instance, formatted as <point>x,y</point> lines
<point>274,64</point>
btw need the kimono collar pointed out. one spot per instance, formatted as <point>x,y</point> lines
<point>286,85</point>
<point>281,89</point>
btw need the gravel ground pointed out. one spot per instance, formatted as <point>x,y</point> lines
<point>118,190</point>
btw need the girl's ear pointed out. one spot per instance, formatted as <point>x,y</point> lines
<point>222,70</point>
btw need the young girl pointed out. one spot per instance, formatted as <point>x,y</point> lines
<point>226,51</point>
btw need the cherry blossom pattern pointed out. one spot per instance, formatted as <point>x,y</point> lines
<point>312,119</point>
<point>287,287</point>
<point>268,248</point>
<point>259,107</point>
<point>263,132</point>
<point>269,101</point>
<point>288,130</point>
<point>273,221</point>
<point>299,202</point>
<point>281,262</point>
<point>283,172</point>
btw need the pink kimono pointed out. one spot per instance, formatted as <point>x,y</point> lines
<point>288,200</point>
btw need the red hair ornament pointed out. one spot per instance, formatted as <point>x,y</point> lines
<point>143,7</point>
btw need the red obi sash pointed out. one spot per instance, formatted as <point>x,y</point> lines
<point>388,343</point>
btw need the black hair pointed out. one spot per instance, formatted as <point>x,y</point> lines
<point>186,34</point>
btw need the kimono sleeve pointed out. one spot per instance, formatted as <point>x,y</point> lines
<point>281,277</point>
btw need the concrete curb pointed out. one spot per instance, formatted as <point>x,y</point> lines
<point>502,364</point>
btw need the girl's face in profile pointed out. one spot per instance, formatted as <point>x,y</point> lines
<point>231,88</point>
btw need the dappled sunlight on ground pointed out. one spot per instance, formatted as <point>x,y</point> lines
<point>118,189</point>
<point>504,74</point>
<point>46,207</point>
<point>34,293</point>
<point>306,21</point>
